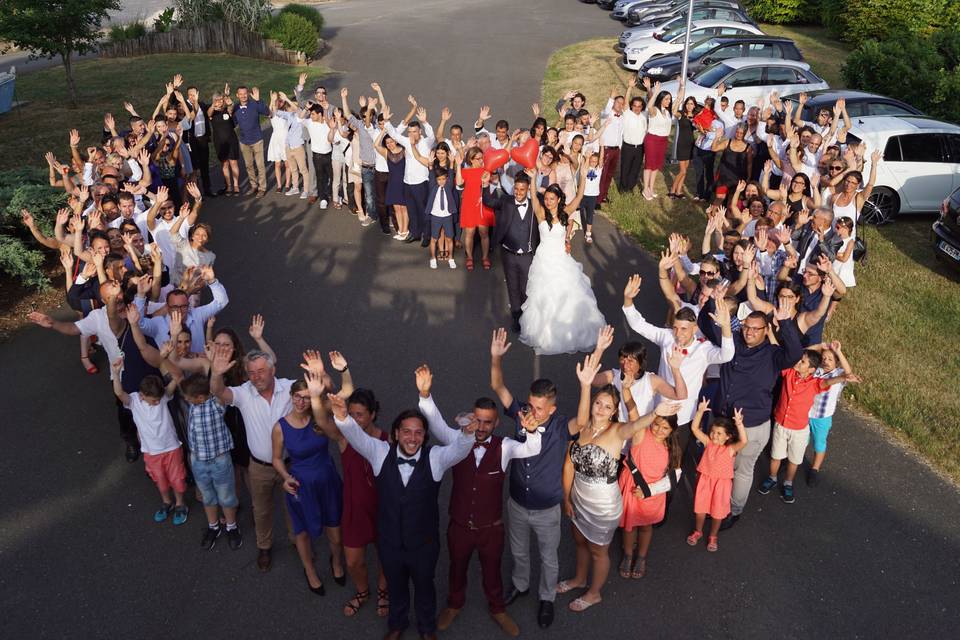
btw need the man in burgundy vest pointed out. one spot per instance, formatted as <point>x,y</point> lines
<point>476,502</point>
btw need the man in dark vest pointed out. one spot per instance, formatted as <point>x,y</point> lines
<point>518,237</point>
<point>476,503</point>
<point>408,474</point>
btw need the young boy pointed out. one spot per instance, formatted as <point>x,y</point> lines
<point>442,206</point>
<point>162,455</point>
<point>791,431</point>
<point>210,446</point>
<point>832,364</point>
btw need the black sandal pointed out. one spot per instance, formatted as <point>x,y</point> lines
<point>383,603</point>
<point>353,604</point>
<point>626,566</point>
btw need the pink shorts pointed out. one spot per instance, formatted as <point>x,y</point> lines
<point>167,470</point>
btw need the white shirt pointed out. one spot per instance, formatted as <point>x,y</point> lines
<point>158,327</point>
<point>187,257</point>
<point>154,425</point>
<point>509,448</point>
<point>612,135</point>
<point>700,354</point>
<point>161,233</point>
<point>259,416</point>
<point>592,186</point>
<point>379,162</point>
<point>436,210</point>
<point>98,324</point>
<point>522,208</point>
<point>660,124</point>
<point>414,172</point>
<point>318,131</point>
<point>375,451</point>
<point>641,391</point>
<point>139,218</point>
<point>634,127</point>
<point>730,120</point>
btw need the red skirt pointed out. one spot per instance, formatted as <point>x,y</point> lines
<point>654,151</point>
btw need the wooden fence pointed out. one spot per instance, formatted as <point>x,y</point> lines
<point>216,37</point>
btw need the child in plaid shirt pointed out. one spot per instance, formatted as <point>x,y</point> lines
<point>210,446</point>
<point>832,364</point>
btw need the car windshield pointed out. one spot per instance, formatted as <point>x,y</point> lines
<point>712,75</point>
<point>700,48</point>
<point>674,32</point>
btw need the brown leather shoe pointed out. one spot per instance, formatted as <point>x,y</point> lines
<point>264,560</point>
<point>311,199</point>
<point>393,634</point>
<point>506,623</point>
<point>446,617</point>
<point>260,194</point>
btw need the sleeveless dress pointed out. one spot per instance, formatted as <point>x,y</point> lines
<point>845,269</point>
<point>359,522</point>
<point>597,504</point>
<point>684,138</point>
<point>733,166</point>
<point>472,212</point>
<point>561,313</point>
<point>715,483</point>
<point>319,501</point>
<point>642,392</point>
<point>652,459</point>
<point>396,165</point>
<point>277,151</point>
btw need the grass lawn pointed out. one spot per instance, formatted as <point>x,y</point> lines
<point>899,325</point>
<point>104,84</point>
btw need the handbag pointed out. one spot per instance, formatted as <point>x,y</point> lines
<point>859,249</point>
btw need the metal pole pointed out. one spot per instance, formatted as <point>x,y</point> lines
<point>686,47</point>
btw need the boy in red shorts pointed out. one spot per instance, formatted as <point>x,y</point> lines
<point>162,454</point>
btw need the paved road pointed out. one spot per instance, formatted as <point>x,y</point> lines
<point>872,553</point>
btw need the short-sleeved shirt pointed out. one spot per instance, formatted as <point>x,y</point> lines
<point>825,403</point>
<point>207,431</point>
<point>154,425</point>
<point>796,398</point>
<point>537,482</point>
<point>135,368</point>
<point>259,416</point>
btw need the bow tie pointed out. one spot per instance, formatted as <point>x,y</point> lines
<point>408,461</point>
<point>479,445</point>
<point>521,205</point>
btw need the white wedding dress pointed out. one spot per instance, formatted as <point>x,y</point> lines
<point>560,314</point>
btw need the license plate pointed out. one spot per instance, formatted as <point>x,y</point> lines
<point>950,250</point>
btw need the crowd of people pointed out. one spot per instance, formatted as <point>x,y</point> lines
<point>743,359</point>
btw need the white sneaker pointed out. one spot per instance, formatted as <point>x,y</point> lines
<point>323,204</point>
<point>452,263</point>
<point>304,195</point>
<point>398,236</point>
<point>292,191</point>
<point>366,221</point>
<point>433,263</point>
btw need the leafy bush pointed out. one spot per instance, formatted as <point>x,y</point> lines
<point>193,13</point>
<point>881,19</point>
<point>923,70</point>
<point>783,11</point>
<point>307,12</point>
<point>118,33</point>
<point>293,31</point>
<point>135,30</point>
<point>22,263</point>
<point>248,13</point>
<point>163,22</point>
<point>20,256</point>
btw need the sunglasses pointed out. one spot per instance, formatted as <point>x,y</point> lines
<point>836,168</point>
<point>709,274</point>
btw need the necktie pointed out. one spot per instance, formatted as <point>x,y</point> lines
<point>443,199</point>
<point>408,461</point>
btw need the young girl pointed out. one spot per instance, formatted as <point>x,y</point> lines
<point>832,364</point>
<point>843,265</point>
<point>716,471</point>
<point>591,192</point>
<point>277,150</point>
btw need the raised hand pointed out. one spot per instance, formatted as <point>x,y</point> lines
<point>302,79</point>
<point>675,358</point>
<point>535,107</point>
<point>835,347</point>
<point>312,362</point>
<point>412,100</point>
<point>74,137</point>
<point>424,379</point>
<point>314,384</point>
<point>176,323</point>
<point>338,361</point>
<point>667,258</point>
<point>484,113</point>
<point>375,86</point>
<point>738,418</point>
<point>703,406</point>
<point>133,314</point>
<point>177,81</point>
<point>665,409</point>
<point>255,93</point>
<point>338,406</point>
<point>604,338</point>
<point>66,257</point>
<point>632,290</point>
<point>256,327</point>
<point>828,288</point>
<point>386,113</point>
<point>499,344</point>
<point>421,114</point>
<point>588,370</point>
<point>445,114</point>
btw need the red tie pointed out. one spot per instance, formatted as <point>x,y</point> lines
<point>478,445</point>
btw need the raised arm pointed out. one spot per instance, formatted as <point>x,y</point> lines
<point>679,389</point>
<point>257,325</point>
<point>627,430</point>
<point>438,427</point>
<point>498,347</point>
<point>122,396</point>
<point>220,364</point>
<point>695,429</point>
<point>585,374</point>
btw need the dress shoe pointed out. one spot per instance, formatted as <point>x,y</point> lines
<point>209,194</point>
<point>393,634</point>
<point>446,618</point>
<point>545,614</point>
<point>410,239</point>
<point>506,623</point>
<point>132,453</point>
<point>728,522</point>
<point>320,591</point>
<point>513,594</point>
<point>425,242</point>
<point>264,560</point>
<point>342,578</point>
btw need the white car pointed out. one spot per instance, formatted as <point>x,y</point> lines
<point>750,79</point>
<point>920,166</point>
<point>636,52</point>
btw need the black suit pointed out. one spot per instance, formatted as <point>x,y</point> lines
<point>200,149</point>
<point>517,242</point>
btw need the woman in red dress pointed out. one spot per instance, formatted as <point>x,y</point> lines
<point>473,215</point>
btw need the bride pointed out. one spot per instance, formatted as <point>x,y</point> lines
<point>560,314</point>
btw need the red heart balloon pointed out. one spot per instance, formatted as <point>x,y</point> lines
<point>526,154</point>
<point>493,159</point>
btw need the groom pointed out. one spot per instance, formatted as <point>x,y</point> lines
<point>517,235</point>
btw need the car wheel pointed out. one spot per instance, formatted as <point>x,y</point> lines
<point>882,207</point>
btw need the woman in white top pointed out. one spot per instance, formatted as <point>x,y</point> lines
<point>644,387</point>
<point>843,265</point>
<point>660,122</point>
<point>848,198</point>
<point>339,160</point>
<point>277,150</point>
<point>591,191</point>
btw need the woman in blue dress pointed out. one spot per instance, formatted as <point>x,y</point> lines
<point>314,489</point>
<point>396,165</point>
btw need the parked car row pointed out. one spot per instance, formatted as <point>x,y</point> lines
<point>921,156</point>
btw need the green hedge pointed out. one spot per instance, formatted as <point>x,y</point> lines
<point>310,13</point>
<point>293,31</point>
<point>21,258</point>
<point>784,11</point>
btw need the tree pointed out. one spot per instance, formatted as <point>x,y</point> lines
<point>48,28</point>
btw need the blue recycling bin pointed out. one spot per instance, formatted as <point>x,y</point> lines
<point>7,82</point>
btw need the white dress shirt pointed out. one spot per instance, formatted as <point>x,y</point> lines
<point>318,131</point>
<point>612,135</point>
<point>158,327</point>
<point>700,354</point>
<point>259,416</point>
<point>509,448</point>
<point>96,323</point>
<point>414,172</point>
<point>634,127</point>
<point>139,218</point>
<point>437,210</point>
<point>375,451</point>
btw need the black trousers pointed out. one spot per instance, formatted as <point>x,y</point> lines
<point>401,567</point>
<point>200,157</point>
<point>631,165</point>
<point>380,183</point>
<point>515,268</point>
<point>703,172</point>
<point>416,196</point>
<point>323,169</point>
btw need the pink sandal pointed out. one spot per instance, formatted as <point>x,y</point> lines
<point>694,538</point>
<point>712,543</point>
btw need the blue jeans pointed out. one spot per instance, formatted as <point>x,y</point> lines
<point>215,480</point>
<point>368,175</point>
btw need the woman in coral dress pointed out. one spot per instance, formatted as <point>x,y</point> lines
<point>474,217</point>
